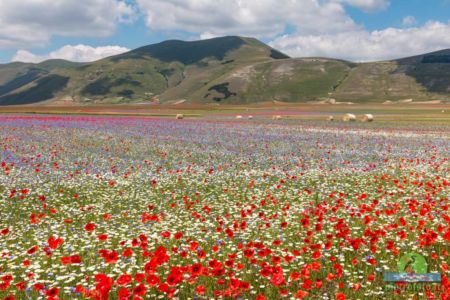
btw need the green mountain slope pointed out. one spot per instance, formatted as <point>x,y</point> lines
<point>423,77</point>
<point>223,70</point>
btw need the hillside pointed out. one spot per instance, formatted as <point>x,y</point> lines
<point>223,70</point>
<point>423,77</point>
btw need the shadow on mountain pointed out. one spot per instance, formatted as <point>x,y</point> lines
<point>275,54</point>
<point>432,70</point>
<point>19,81</point>
<point>46,88</point>
<point>186,52</point>
<point>103,86</point>
<point>223,89</point>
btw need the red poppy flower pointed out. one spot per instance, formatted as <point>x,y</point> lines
<point>73,259</point>
<point>174,279</point>
<point>372,261</point>
<point>7,278</point>
<point>200,290</point>
<point>104,284</point>
<point>165,234</point>
<point>124,294</point>
<point>446,236</point>
<point>127,252</point>
<point>244,285</point>
<point>26,262</point>
<point>201,254</point>
<point>193,246</point>
<point>318,284</point>
<point>340,296</point>
<point>163,287</point>
<point>277,279</point>
<point>152,280</point>
<point>53,292</point>
<point>196,269</point>
<point>315,266</point>
<point>110,256</point>
<point>249,253</point>
<point>140,290</point>
<point>301,294</point>
<point>139,277</point>
<point>316,255</point>
<point>275,260</point>
<point>90,227</point>
<point>102,237</point>
<point>295,276</point>
<point>124,279</point>
<point>54,243</point>
<point>21,285</point>
<point>32,250</point>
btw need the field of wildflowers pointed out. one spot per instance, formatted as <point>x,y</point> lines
<point>147,208</point>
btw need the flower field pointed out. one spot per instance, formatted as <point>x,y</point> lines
<point>152,208</point>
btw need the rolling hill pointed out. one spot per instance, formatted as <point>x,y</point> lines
<point>223,70</point>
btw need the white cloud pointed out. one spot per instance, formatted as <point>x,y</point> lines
<point>409,21</point>
<point>317,27</point>
<point>368,46</point>
<point>28,23</point>
<point>368,5</point>
<point>26,56</point>
<point>259,18</point>
<point>78,53</point>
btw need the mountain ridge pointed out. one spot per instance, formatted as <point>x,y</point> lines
<point>228,69</point>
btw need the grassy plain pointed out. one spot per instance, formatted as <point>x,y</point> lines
<point>439,113</point>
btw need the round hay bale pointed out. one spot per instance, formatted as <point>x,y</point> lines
<point>349,118</point>
<point>330,118</point>
<point>276,117</point>
<point>238,117</point>
<point>179,117</point>
<point>367,118</point>
<point>250,117</point>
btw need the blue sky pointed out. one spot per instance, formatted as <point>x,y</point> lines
<point>358,30</point>
<point>421,10</point>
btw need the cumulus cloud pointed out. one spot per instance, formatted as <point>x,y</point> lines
<point>368,5</point>
<point>409,21</point>
<point>362,45</point>
<point>78,53</point>
<point>27,23</point>
<point>297,27</point>
<point>316,27</point>
<point>259,18</point>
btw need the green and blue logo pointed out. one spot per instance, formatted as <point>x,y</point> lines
<point>412,267</point>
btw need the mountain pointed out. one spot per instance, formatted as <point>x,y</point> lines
<point>423,77</point>
<point>223,70</point>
